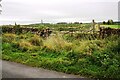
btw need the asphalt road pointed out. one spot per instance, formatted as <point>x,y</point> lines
<point>16,70</point>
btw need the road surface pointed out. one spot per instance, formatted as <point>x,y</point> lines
<point>16,70</point>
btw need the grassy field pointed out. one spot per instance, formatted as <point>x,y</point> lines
<point>84,55</point>
<point>111,26</point>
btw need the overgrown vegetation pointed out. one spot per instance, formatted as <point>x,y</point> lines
<point>85,55</point>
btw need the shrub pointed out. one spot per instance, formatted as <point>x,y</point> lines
<point>9,37</point>
<point>6,46</point>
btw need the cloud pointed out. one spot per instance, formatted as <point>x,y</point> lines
<point>58,10</point>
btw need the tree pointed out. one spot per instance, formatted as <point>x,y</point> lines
<point>110,21</point>
<point>104,22</point>
<point>76,22</point>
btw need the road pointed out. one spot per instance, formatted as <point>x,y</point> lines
<point>16,70</point>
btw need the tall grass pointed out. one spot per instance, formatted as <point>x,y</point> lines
<point>36,40</point>
<point>9,37</point>
<point>57,43</point>
<point>25,45</point>
<point>94,58</point>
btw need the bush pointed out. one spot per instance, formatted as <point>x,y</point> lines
<point>6,46</point>
<point>36,40</point>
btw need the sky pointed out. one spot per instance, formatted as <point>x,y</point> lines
<point>53,11</point>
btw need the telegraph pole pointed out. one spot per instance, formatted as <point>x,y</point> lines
<point>15,24</point>
<point>93,25</point>
<point>41,21</point>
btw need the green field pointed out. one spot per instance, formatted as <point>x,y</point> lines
<point>111,26</point>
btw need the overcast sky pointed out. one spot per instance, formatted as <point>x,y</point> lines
<point>32,11</point>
